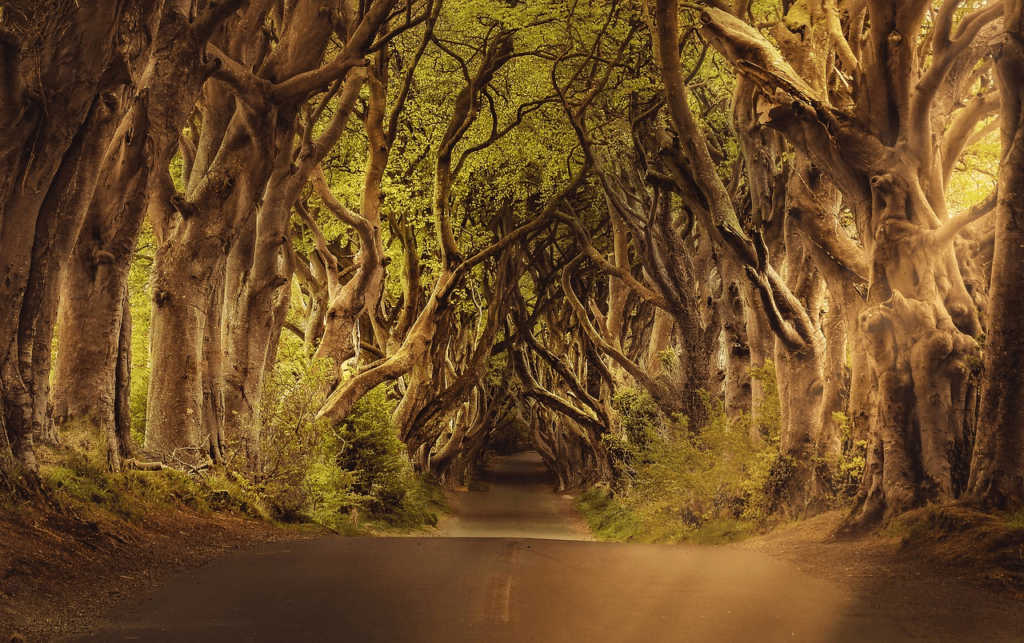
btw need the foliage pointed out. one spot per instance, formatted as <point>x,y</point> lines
<point>366,445</point>
<point>712,485</point>
<point>841,473</point>
<point>290,435</point>
<point>770,471</point>
<point>78,478</point>
<point>510,438</point>
<point>609,519</point>
<point>312,470</point>
<point>694,477</point>
<point>140,304</point>
<point>640,423</point>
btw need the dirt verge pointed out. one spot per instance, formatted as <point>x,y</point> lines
<point>943,571</point>
<point>61,568</point>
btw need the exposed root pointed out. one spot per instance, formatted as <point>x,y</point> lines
<point>135,465</point>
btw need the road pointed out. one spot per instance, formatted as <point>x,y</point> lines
<point>518,503</point>
<point>514,575</point>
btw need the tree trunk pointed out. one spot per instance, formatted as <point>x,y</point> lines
<point>123,384</point>
<point>91,319</point>
<point>997,476</point>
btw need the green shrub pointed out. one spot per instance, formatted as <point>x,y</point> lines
<point>769,472</point>
<point>327,491</point>
<point>640,425</point>
<point>673,483</point>
<point>692,477</point>
<point>291,436</point>
<point>609,519</point>
<point>842,473</point>
<point>368,446</point>
<point>336,475</point>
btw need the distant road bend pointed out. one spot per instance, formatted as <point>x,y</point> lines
<point>514,567</point>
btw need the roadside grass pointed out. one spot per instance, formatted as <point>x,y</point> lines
<point>77,481</point>
<point>423,508</point>
<point>612,520</point>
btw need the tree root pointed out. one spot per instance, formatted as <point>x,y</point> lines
<point>135,465</point>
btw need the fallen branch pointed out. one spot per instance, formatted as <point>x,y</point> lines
<point>135,465</point>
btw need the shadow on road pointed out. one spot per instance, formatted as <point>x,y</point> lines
<point>523,470</point>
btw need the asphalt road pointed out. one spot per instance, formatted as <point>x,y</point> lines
<point>518,503</point>
<point>516,588</point>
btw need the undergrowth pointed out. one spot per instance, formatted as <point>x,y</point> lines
<point>714,485</point>
<point>350,477</point>
<point>354,478</point>
<point>78,479</point>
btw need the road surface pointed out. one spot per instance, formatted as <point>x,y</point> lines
<point>518,503</point>
<point>525,581</point>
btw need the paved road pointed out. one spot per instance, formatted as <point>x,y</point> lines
<point>518,504</point>
<point>509,589</point>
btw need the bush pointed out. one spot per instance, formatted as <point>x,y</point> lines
<point>291,437</point>
<point>640,425</point>
<point>769,471</point>
<point>674,483</point>
<point>368,447</point>
<point>841,474</point>
<point>691,478</point>
<point>310,469</point>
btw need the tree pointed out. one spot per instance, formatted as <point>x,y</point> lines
<point>55,120</point>
<point>878,138</point>
<point>997,472</point>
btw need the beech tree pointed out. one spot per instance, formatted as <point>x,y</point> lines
<point>997,472</point>
<point>877,136</point>
<point>65,69</point>
<point>543,220</point>
<point>224,187</point>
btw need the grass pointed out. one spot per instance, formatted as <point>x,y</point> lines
<point>77,479</point>
<point>422,509</point>
<point>611,520</point>
<point>608,519</point>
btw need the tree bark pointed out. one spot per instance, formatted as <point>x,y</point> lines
<point>91,324</point>
<point>997,472</point>
<point>59,91</point>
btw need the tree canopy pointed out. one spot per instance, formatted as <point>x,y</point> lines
<point>762,250</point>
